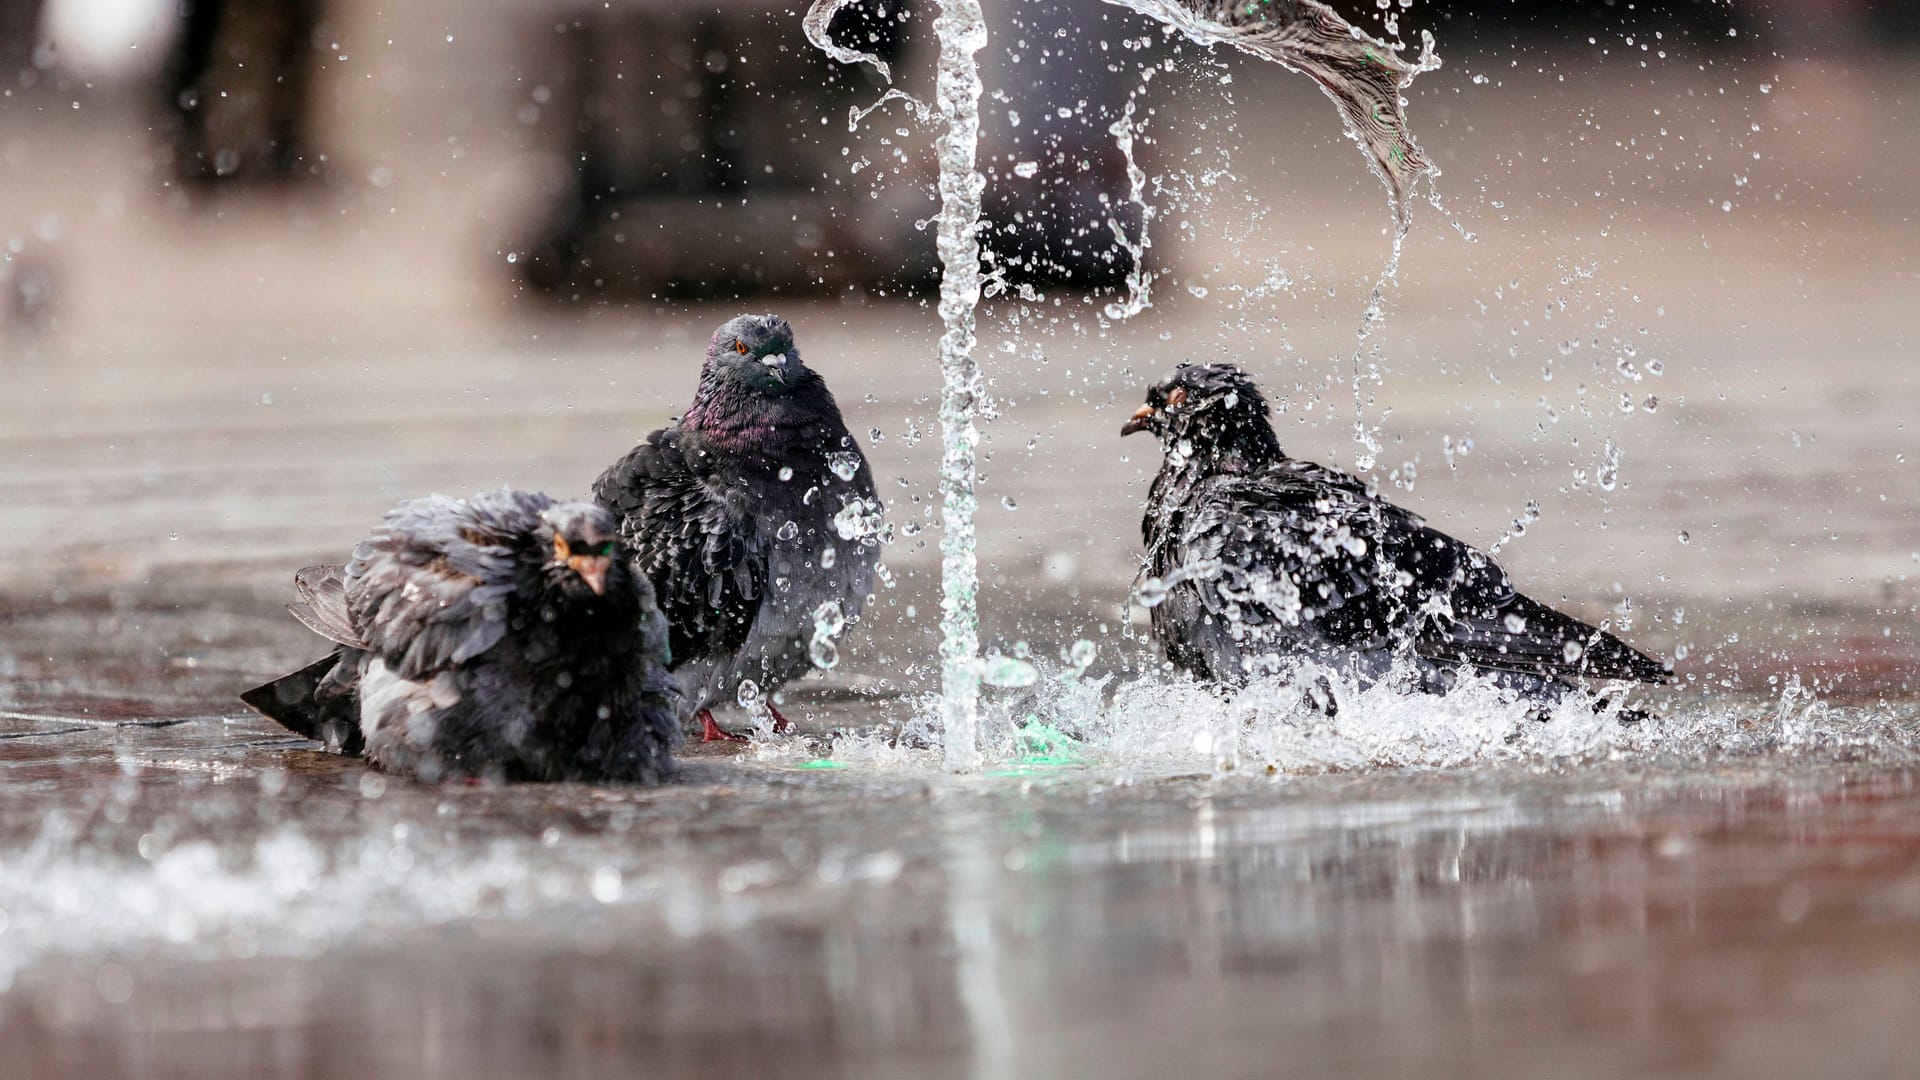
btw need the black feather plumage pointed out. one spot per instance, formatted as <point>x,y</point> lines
<point>504,636</point>
<point>748,514</point>
<point>1256,560</point>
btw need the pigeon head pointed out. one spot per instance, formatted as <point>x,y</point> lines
<point>756,353</point>
<point>755,395</point>
<point>586,547</point>
<point>1213,408</point>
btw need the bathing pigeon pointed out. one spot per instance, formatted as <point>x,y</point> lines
<point>1256,560</point>
<point>500,637</point>
<point>755,517</point>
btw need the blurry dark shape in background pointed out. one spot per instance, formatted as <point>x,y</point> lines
<point>701,149</point>
<point>704,167</point>
<point>1057,185</point>
<point>19,34</point>
<point>26,298</point>
<point>704,150</point>
<point>238,87</point>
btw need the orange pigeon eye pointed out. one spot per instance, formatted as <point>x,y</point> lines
<point>741,348</point>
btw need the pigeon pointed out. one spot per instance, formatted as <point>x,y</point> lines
<point>1257,561</point>
<point>756,519</point>
<point>502,637</point>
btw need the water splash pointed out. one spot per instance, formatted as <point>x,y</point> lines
<point>1364,78</point>
<point>1315,720</point>
<point>1139,280</point>
<point>818,18</point>
<point>1362,75</point>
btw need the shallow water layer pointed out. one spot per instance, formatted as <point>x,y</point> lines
<point>209,898</point>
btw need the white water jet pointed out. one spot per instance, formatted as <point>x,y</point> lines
<point>962,32</point>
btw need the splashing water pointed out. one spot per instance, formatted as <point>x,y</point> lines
<point>819,17</point>
<point>962,32</point>
<point>1364,78</point>
<point>1311,719</point>
<point>1360,74</point>
<point>1139,280</point>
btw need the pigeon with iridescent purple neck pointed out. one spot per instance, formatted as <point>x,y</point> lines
<point>755,517</point>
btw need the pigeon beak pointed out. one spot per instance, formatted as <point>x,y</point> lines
<point>592,570</point>
<point>777,364</point>
<point>1141,420</point>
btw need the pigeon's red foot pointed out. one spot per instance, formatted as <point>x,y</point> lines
<point>781,725</point>
<point>712,732</point>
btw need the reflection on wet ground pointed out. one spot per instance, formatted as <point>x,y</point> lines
<point>209,898</point>
<point>184,890</point>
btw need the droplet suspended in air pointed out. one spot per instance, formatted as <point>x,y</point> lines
<point>1009,672</point>
<point>1153,592</point>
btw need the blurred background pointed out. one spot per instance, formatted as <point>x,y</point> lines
<point>271,265</point>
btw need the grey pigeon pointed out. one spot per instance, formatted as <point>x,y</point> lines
<point>500,637</point>
<point>755,517</point>
<point>1258,560</point>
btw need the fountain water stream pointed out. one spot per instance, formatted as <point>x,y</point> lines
<point>962,31</point>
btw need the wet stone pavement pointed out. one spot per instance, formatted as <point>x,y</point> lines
<point>186,891</point>
<point>218,900</point>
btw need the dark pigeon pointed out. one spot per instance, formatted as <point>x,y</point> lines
<point>1256,561</point>
<point>750,515</point>
<point>502,637</point>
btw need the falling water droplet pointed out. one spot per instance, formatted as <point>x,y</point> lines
<point>1153,592</point>
<point>844,463</point>
<point>1008,671</point>
<point>828,623</point>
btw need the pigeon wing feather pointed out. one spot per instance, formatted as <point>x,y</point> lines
<point>693,537</point>
<point>1302,544</point>
<point>322,606</point>
<point>434,586</point>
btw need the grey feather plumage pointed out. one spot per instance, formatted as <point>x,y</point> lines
<point>472,641</point>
